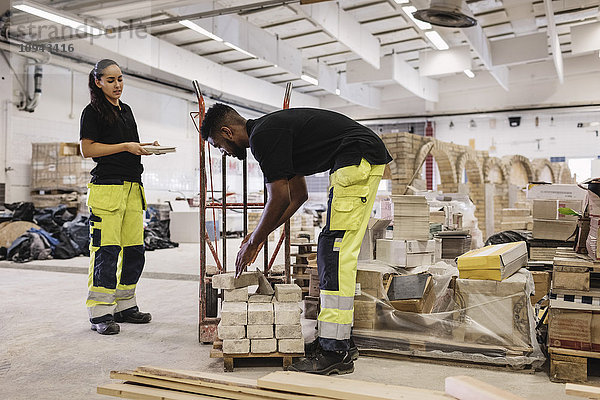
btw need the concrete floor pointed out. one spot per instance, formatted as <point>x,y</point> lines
<point>47,350</point>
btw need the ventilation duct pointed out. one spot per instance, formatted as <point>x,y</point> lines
<point>448,13</point>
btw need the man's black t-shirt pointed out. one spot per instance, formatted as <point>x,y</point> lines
<point>305,141</point>
<point>123,166</point>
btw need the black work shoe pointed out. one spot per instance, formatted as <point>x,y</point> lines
<point>106,328</point>
<point>310,349</point>
<point>134,317</point>
<point>325,363</point>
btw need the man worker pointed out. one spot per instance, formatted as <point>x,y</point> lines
<point>289,145</point>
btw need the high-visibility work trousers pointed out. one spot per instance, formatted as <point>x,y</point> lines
<point>352,193</point>
<point>116,247</point>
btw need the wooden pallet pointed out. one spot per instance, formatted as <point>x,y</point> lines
<point>568,365</point>
<point>228,359</point>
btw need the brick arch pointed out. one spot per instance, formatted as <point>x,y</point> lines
<point>538,166</point>
<point>519,160</point>
<point>472,164</point>
<point>442,158</point>
<point>495,162</point>
<point>564,173</point>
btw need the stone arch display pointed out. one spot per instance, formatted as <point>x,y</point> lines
<point>564,173</point>
<point>471,163</point>
<point>444,161</point>
<point>520,170</point>
<point>495,170</point>
<point>544,171</point>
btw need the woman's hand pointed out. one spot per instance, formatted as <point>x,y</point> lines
<point>136,148</point>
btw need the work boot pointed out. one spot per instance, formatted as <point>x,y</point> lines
<point>106,328</point>
<point>310,349</point>
<point>133,316</point>
<point>325,363</point>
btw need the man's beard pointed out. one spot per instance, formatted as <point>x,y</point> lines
<point>240,153</point>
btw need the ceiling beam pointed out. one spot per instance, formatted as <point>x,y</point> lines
<point>344,28</point>
<point>481,46</point>
<point>554,42</point>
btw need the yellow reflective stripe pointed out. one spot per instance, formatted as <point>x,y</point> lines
<point>336,316</point>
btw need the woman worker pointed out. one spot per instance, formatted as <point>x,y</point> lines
<point>109,135</point>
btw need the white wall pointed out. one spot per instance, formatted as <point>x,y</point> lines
<point>159,116</point>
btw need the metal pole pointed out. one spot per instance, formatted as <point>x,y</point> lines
<point>245,196</point>
<point>224,209</point>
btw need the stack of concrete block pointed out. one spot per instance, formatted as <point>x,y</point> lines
<point>257,323</point>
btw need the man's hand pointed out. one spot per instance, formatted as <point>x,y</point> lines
<point>260,246</point>
<point>246,256</point>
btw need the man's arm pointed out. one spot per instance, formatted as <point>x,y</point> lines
<point>298,196</point>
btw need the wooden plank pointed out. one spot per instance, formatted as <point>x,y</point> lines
<point>174,384</point>
<point>571,352</point>
<point>468,388</point>
<point>344,389</point>
<point>127,391</point>
<point>589,392</point>
<point>218,381</point>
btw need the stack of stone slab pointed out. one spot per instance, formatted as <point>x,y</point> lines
<point>256,323</point>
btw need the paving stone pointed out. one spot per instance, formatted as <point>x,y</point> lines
<point>288,292</point>
<point>260,298</point>
<point>260,313</point>
<point>260,331</point>
<point>290,345</point>
<point>233,314</point>
<point>239,295</point>
<point>288,331</point>
<point>231,332</point>
<point>236,346</point>
<point>261,346</point>
<point>287,313</point>
<point>228,280</point>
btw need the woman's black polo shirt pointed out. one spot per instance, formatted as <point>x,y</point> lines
<point>124,165</point>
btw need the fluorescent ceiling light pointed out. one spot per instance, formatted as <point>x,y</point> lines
<point>54,16</point>
<point>233,46</point>
<point>310,79</point>
<point>401,1</point>
<point>437,40</point>
<point>338,91</point>
<point>409,10</point>
<point>195,27</point>
<point>469,73</point>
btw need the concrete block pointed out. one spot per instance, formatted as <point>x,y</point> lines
<point>260,313</point>
<point>288,292</point>
<point>238,295</point>
<point>263,345</point>
<point>231,332</point>
<point>290,345</point>
<point>288,331</point>
<point>236,346</point>
<point>260,331</point>
<point>228,280</point>
<point>287,313</point>
<point>260,298</point>
<point>233,314</point>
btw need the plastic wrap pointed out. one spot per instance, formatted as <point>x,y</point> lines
<point>474,320</point>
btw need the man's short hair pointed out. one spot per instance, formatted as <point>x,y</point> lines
<point>216,116</point>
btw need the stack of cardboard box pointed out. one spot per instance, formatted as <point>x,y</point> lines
<point>411,217</point>
<point>409,253</point>
<point>548,222</point>
<point>516,218</point>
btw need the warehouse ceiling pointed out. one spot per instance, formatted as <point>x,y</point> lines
<point>349,49</point>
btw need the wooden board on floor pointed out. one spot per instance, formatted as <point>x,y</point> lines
<point>468,388</point>
<point>127,391</point>
<point>589,392</point>
<point>217,381</point>
<point>344,389</point>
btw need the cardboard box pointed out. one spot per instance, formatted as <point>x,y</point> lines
<point>575,205</point>
<point>553,229</point>
<point>496,262</point>
<point>407,253</point>
<point>365,313</point>
<point>541,280</point>
<point>545,209</point>
<point>574,329</point>
<point>369,281</point>
<point>593,203</point>
<point>421,305</point>
<point>555,192</point>
<point>375,230</point>
<point>499,312</point>
<point>570,278</point>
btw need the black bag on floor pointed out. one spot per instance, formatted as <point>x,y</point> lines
<point>22,211</point>
<point>78,230</point>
